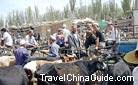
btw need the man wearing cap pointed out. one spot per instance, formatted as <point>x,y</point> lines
<point>53,52</point>
<point>6,39</point>
<point>21,54</point>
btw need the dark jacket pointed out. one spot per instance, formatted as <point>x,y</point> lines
<point>90,39</point>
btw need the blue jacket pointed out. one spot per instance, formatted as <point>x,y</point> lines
<point>54,50</point>
<point>21,55</point>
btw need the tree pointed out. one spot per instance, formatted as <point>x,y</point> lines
<point>97,9</point>
<point>36,13</point>
<point>112,8</point>
<point>21,18</point>
<point>105,10</point>
<point>17,19</point>
<point>66,11</point>
<point>118,11</point>
<point>135,4</point>
<point>53,14</point>
<point>72,6</point>
<point>29,14</point>
<point>1,22</point>
<point>9,19</point>
<point>126,6</point>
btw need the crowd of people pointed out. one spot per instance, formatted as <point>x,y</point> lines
<point>68,40</point>
<point>74,41</point>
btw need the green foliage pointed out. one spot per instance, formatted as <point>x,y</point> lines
<point>72,7</point>
<point>29,15</point>
<point>52,14</point>
<point>36,13</point>
<point>126,6</point>
<point>1,22</point>
<point>96,10</point>
<point>66,12</point>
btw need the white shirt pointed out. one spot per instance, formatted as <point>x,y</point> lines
<point>135,75</point>
<point>111,35</point>
<point>66,32</point>
<point>75,35</point>
<point>30,40</point>
<point>55,35</point>
<point>7,39</point>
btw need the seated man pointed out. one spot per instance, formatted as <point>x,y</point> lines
<point>31,42</point>
<point>6,39</point>
<point>21,54</point>
<point>52,54</point>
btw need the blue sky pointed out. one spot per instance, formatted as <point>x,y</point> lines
<point>7,6</point>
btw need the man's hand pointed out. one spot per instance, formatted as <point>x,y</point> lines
<point>1,46</point>
<point>96,48</point>
<point>44,51</point>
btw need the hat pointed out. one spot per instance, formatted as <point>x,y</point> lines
<point>52,37</point>
<point>64,25</point>
<point>95,23</point>
<point>22,42</point>
<point>130,57</point>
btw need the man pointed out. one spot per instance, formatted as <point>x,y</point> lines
<point>60,38</point>
<point>32,29</point>
<point>90,37</point>
<point>99,36</point>
<point>131,58</point>
<point>73,38</point>
<point>31,42</point>
<point>53,53</point>
<point>6,39</point>
<point>21,54</point>
<point>110,34</point>
<point>66,32</point>
<point>74,41</point>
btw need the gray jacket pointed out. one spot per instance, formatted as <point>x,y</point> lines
<point>73,42</point>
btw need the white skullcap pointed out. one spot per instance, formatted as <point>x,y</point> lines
<point>64,25</point>
<point>22,42</point>
<point>52,37</point>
